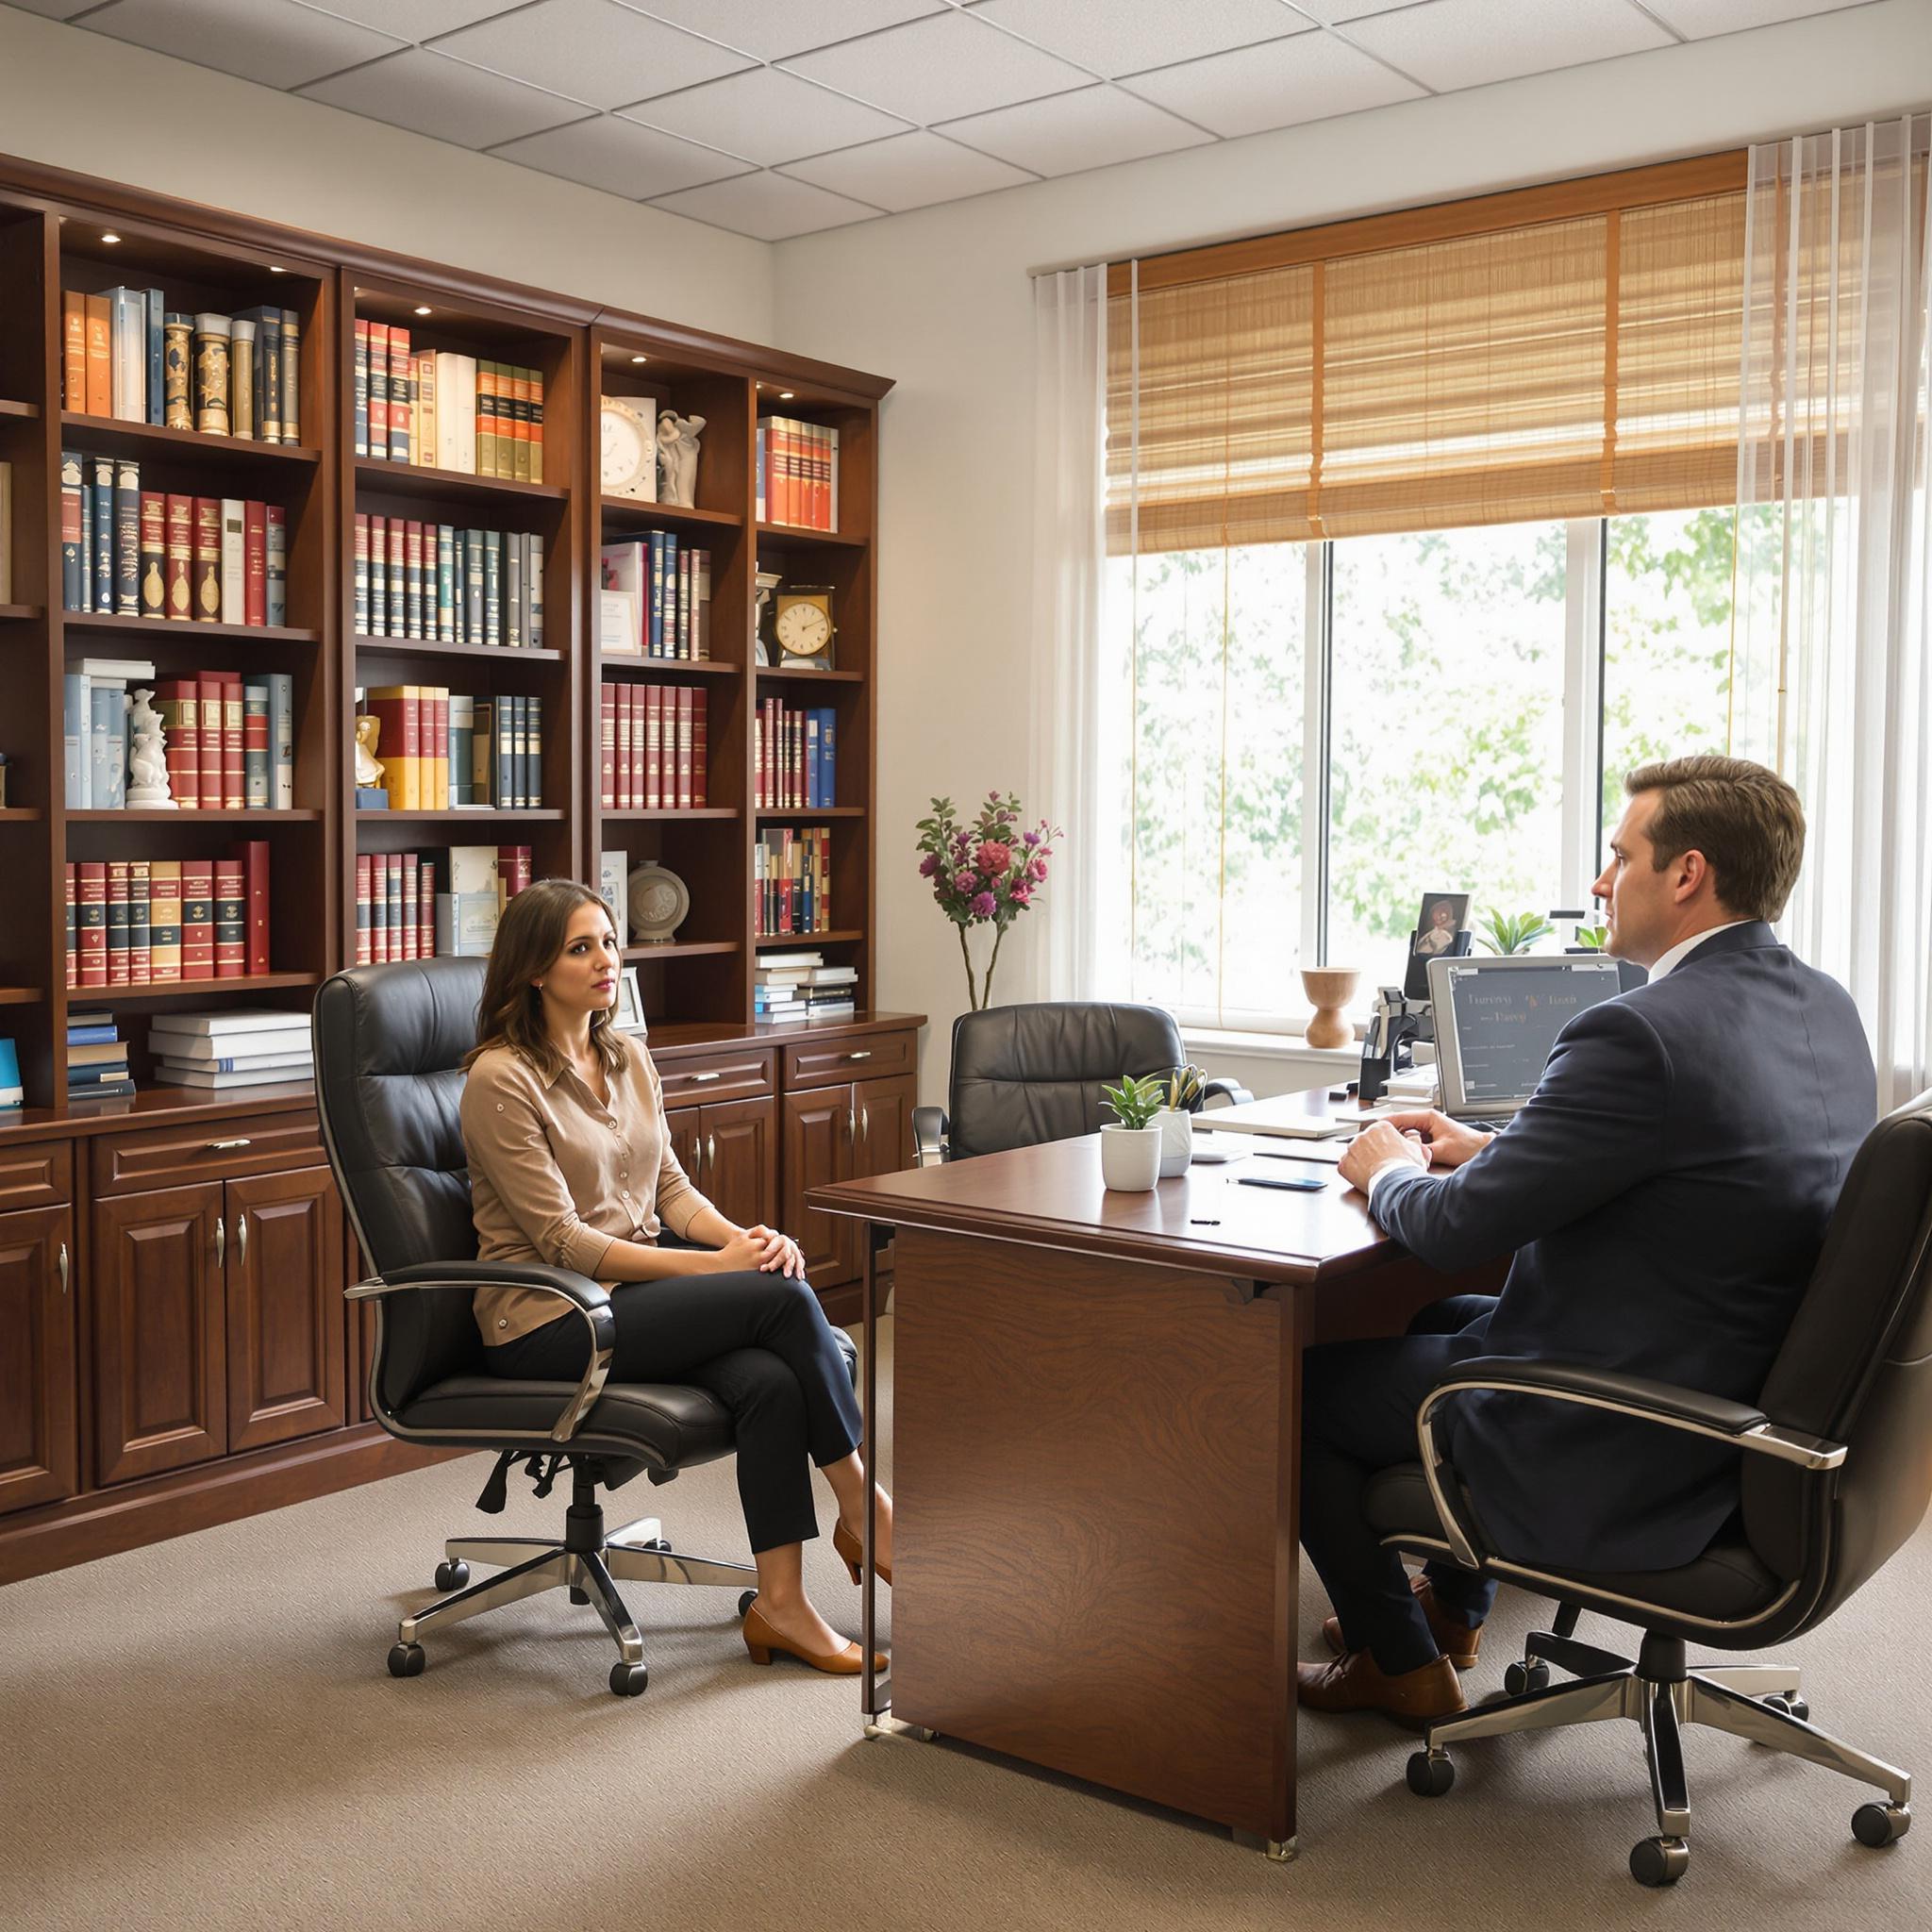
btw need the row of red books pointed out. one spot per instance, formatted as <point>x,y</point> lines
<point>150,922</point>
<point>396,900</point>
<point>798,473</point>
<point>653,753</point>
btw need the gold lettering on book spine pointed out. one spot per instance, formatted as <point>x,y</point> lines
<point>210,384</point>
<point>175,339</point>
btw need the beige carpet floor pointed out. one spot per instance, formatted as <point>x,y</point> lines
<point>201,1735</point>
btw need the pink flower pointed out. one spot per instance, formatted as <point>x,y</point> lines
<point>1023,896</point>
<point>994,857</point>
<point>1033,838</point>
<point>929,865</point>
<point>984,906</point>
<point>964,881</point>
<point>1038,871</point>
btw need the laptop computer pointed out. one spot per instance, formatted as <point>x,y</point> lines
<point>1496,1021</point>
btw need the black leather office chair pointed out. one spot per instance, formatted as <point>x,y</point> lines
<point>388,1046</point>
<point>1836,1474</point>
<point>1025,1075</point>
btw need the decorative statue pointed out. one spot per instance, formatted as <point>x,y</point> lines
<point>677,458</point>
<point>369,775</point>
<point>147,763</point>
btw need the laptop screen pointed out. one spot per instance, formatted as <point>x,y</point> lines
<point>1496,1021</point>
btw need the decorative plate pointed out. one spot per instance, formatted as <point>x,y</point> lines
<point>658,901</point>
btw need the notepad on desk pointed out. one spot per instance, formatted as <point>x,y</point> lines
<point>1280,1118</point>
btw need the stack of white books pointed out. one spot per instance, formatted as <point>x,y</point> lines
<point>798,987</point>
<point>248,1048</point>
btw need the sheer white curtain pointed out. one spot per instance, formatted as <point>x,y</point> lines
<point>1831,683</point>
<point>1071,693</point>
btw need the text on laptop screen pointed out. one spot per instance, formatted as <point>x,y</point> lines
<point>1506,1021</point>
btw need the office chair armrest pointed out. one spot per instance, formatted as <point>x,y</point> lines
<point>929,1135</point>
<point>1639,1397</point>
<point>586,1297</point>
<point>1237,1094</point>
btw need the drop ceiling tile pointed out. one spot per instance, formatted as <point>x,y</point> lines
<point>271,41</point>
<point>770,29</point>
<point>1092,128</point>
<point>1338,12</point>
<point>766,116</point>
<point>620,158</point>
<point>412,20</point>
<point>908,171</point>
<point>1698,18</point>
<point>589,50</point>
<point>769,207</point>
<point>53,9</point>
<point>1115,37</point>
<point>444,99</point>
<point>1457,44</point>
<point>1309,78</point>
<point>939,68</point>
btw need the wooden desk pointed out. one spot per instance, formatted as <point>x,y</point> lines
<point>1096,1455</point>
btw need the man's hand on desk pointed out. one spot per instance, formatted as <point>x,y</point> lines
<point>1449,1142</point>
<point>1378,1142</point>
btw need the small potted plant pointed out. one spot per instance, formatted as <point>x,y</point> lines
<point>1130,1144</point>
<point>1183,1090</point>
<point>1511,933</point>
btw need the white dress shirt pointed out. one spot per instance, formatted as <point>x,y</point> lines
<point>1398,1163</point>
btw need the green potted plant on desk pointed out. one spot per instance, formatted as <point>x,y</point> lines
<point>1130,1144</point>
<point>1183,1090</point>
<point>1509,933</point>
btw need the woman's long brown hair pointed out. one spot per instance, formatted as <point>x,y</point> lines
<point>529,937</point>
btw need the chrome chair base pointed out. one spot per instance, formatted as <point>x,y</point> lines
<point>1758,1702</point>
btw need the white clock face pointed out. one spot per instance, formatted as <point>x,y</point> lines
<point>803,630</point>
<point>624,450</point>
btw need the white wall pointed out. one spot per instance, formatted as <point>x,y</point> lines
<point>78,100</point>
<point>941,301</point>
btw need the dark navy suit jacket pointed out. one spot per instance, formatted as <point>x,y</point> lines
<point>1666,1192</point>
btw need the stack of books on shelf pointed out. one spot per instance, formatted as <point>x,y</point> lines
<point>798,474</point>
<point>127,355</point>
<point>797,767</point>
<point>444,411</point>
<point>220,1050</point>
<point>793,880</point>
<point>796,986</point>
<point>151,921</point>
<point>416,904</point>
<point>96,1059</point>
<point>669,588</point>
<point>442,585</point>
<point>129,552</point>
<point>444,751</point>
<point>653,748</point>
<point>228,742</point>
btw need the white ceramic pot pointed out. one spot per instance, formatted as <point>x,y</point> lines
<point>1176,1140</point>
<point>1129,1157</point>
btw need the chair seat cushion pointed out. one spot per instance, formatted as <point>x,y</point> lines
<point>1725,1583</point>
<point>665,1424</point>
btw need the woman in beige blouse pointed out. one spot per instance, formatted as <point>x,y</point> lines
<point>571,1164</point>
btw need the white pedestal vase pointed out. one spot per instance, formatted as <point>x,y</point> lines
<point>1176,1140</point>
<point>1129,1157</point>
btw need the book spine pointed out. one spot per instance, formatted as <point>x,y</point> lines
<point>412,577</point>
<point>117,922</point>
<point>255,562</point>
<point>73,540</point>
<point>156,317</point>
<point>361,574</point>
<point>257,784</point>
<point>100,356</point>
<point>472,625</point>
<point>76,726</point>
<point>197,919</point>
<point>178,701</point>
<point>208,558</point>
<point>234,753</point>
<point>153,554</point>
<point>486,419</point>
<point>700,752</point>
<point>436,748</point>
<point>73,350</point>
<point>254,856</point>
<point>533,753</point>
<point>423,430</point>
<point>230,921</point>
<point>606,745</point>
<point>281,727</point>
<point>92,922</point>
<point>72,890</point>
<point>513,592</point>
<point>211,373</point>
<point>361,386</point>
<point>277,547</point>
<point>234,560</point>
<point>101,535</point>
<point>445,584</point>
<point>242,382</point>
<point>492,588</point>
<point>292,377</point>
<point>207,697</point>
<point>128,539</point>
<point>180,567</point>
<point>177,364</point>
<point>536,425</point>
<point>365,953</point>
<point>139,924</point>
<point>164,916</point>
<point>402,387</point>
<point>379,391</point>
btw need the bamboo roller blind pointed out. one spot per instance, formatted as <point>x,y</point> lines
<point>1560,353</point>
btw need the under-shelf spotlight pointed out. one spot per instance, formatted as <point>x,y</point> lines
<point>422,308</point>
<point>111,236</point>
<point>274,270</point>
<point>639,359</point>
<point>784,395</point>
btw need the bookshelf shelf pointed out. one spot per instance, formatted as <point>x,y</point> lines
<point>692,949</point>
<point>20,815</point>
<point>159,627</point>
<point>784,812</point>
<point>625,513</point>
<point>771,941</point>
<point>380,477</point>
<point>28,413</point>
<point>797,676</point>
<point>21,613</point>
<point>494,816</point>
<point>20,996</point>
<point>422,647</point>
<point>114,437</point>
<point>255,815</point>
<point>641,815</point>
<point>658,667</point>
<point>189,988</point>
<point>781,535</point>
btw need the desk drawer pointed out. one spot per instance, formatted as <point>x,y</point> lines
<point>41,1177</point>
<point>855,1057</point>
<point>697,1082</point>
<point>207,1150</point>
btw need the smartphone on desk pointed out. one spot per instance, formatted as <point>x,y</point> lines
<point>1292,1184</point>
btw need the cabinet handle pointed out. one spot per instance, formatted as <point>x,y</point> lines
<point>865,1124</point>
<point>226,1146</point>
<point>697,1154</point>
<point>697,1079</point>
<point>60,1262</point>
<point>865,1055</point>
<point>221,1242</point>
<point>241,1240</point>
<point>711,1150</point>
<point>851,1127</point>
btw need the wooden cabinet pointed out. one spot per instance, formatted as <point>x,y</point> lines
<point>284,1309</point>
<point>842,1133</point>
<point>39,1443</point>
<point>730,1151</point>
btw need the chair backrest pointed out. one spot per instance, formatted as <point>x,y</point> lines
<point>389,1086</point>
<point>1025,1074</point>
<point>1856,1368</point>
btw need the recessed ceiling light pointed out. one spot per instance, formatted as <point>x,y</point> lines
<point>110,238</point>
<point>421,308</point>
<point>639,359</point>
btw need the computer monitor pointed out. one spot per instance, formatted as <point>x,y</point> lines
<point>1496,1021</point>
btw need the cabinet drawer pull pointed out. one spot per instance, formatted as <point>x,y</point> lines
<point>221,1242</point>
<point>241,1240</point>
<point>225,1147</point>
<point>696,1078</point>
<point>864,1053</point>
<point>60,1262</point>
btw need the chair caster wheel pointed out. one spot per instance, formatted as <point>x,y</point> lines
<point>628,1680</point>
<point>1430,1774</point>
<point>746,1602</point>
<point>1800,1710</point>
<point>1659,1860</point>
<point>1520,1678</point>
<point>1881,1824</point>
<point>453,1574</point>
<point>407,1661</point>
<point>657,1542</point>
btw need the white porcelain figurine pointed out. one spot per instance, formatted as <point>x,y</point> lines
<point>148,762</point>
<point>677,458</point>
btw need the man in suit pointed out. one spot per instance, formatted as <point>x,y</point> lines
<point>1664,1192</point>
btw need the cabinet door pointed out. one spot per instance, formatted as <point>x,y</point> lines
<point>160,1400</point>
<point>884,1125</point>
<point>40,1448</point>
<point>284,1307</point>
<point>819,1128</point>
<point>688,1143</point>
<point>741,1159</point>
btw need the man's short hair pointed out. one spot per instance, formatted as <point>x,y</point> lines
<point>1745,820</point>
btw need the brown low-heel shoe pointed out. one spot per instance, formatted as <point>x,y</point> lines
<point>763,1642</point>
<point>1458,1643</point>
<point>1354,1681</point>
<point>853,1551</point>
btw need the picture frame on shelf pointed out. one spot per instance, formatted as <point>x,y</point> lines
<point>629,1015</point>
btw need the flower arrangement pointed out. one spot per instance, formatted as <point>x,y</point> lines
<point>1186,1089</point>
<point>1134,1103</point>
<point>984,873</point>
